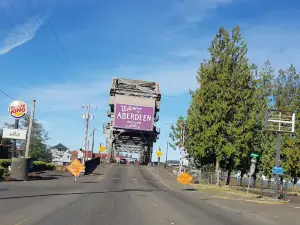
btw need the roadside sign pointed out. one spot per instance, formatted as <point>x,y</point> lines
<point>17,134</point>
<point>185,178</point>
<point>75,167</point>
<point>254,155</point>
<point>278,170</point>
<point>159,153</point>
<point>102,148</point>
<point>17,109</point>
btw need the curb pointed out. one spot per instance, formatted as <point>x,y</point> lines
<point>268,202</point>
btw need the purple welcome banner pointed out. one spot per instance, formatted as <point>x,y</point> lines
<point>133,117</point>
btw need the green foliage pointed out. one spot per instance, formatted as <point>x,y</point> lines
<point>2,172</point>
<point>39,165</point>
<point>37,149</point>
<point>221,120</point>
<point>176,132</point>
<point>5,163</point>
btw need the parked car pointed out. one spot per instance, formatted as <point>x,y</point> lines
<point>123,161</point>
<point>112,160</point>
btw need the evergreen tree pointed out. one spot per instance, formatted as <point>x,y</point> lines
<point>224,101</point>
<point>176,132</point>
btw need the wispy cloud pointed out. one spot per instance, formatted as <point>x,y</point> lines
<point>194,11</point>
<point>21,34</point>
<point>60,97</point>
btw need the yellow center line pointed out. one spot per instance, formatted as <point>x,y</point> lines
<point>21,222</point>
<point>219,197</point>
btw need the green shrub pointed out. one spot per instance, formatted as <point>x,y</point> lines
<point>40,165</point>
<point>5,163</point>
<point>2,172</point>
<point>37,165</point>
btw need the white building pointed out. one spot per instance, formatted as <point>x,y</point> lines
<point>60,154</point>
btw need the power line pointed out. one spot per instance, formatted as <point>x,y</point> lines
<point>53,31</point>
<point>26,29</point>
<point>31,35</point>
<point>7,95</point>
<point>46,34</point>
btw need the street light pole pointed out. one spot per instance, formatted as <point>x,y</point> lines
<point>167,155</point>
<point>182,133</point>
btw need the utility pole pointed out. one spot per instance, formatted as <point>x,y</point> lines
<point>93,137</point>
<point>88,149</point>
<point>87,116</point>
<point>30,129</point>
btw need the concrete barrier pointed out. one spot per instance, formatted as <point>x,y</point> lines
<point>91,165</point>
<point>20,168</point>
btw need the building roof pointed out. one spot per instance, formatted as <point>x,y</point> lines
<point>60,146</point>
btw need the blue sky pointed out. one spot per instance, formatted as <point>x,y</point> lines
<point>163,41</point>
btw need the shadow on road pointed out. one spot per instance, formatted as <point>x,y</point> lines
<point>43,178</point>
<point>81,193</point>
<point>190,189</point>
<point>33,178</point>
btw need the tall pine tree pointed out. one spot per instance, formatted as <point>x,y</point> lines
<point>221,118</point>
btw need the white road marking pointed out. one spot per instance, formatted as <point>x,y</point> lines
<point>160,180</point>
<point>133,179</point>
<point>295,207</point>
<point>116,178</point>
<point>98,179</point>
<point>148,181</point>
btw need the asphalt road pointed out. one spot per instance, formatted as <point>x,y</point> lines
<point>125,195</point>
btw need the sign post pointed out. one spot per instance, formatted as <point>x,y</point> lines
<point>75,168</point>
<point>101,150</point>
<point>252,168</point>
<point>279,121</point>
<point>184,179</point>
<point>159,154</point>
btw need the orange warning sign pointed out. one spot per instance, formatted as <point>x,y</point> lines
<point>75,167</point>
<point>185,178</point>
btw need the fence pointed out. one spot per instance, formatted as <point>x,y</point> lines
<point>260,187</point>
<point>256,186</point>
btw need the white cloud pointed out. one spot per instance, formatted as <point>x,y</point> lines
<point>174,80</point>
<point>57,97</point>
<point>21,34</point>
<point>193,11</point>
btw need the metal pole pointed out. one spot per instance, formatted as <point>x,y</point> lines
<point>181,147</point>
<point>14,147</point>
<point>87,116</point>
<point>29,129</point>
<point>157,164</point>
<point>167,155</point>
<point>277,163</point>
<point>93,134</point>
<point>88,149</point>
